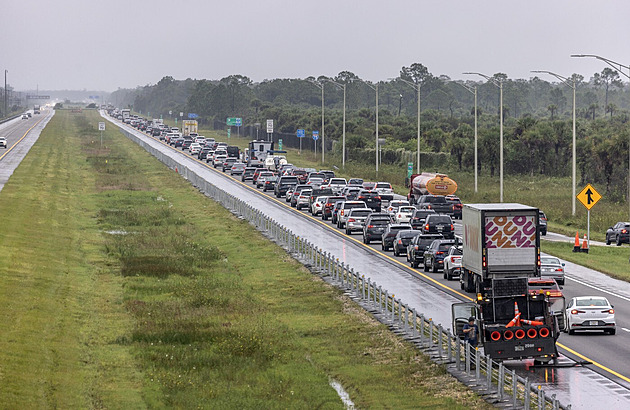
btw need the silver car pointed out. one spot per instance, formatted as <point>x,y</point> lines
<point>356,219</point>
<point>590,313</point>
<point>551,267</point>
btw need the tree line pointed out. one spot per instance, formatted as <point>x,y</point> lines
<point>537,116</point>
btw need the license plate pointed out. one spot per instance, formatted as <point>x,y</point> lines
<point>440,228</point>
<point>593,322</point>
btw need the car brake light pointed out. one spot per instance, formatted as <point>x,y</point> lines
<point>378,197</point>
<point>370,226</point>
<point>415,247</point>
<point>426,227</point>
<point>399,216</point>
<point>611,311</point>
<point>400,241</point>
<point>452,227</point>
<point>575,311</point>
<point>351,220</point>
<point>439,253</point>
<point>558,269</point>
<point>341,212</point>
<point>624,231</point>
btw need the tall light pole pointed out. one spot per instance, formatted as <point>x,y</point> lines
<point>320,85</point>
<point>570,82</point>
<point>473,90</point>
<point>417,88</point>
<point>618,67</point>
<point>5,93</point>
<point>375,88</point>
<point>343,154</point>
<point>499,83</point>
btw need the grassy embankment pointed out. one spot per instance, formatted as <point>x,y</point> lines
<point>124,287</point>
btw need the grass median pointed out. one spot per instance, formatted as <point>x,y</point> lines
<point>126,287</point>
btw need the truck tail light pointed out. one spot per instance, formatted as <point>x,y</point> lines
<point>484,262</point>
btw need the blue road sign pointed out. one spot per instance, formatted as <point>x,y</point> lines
<point>192,115</point>
<point>301,134</point>
<point>315,135</point>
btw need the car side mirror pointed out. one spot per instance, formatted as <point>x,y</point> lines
<point>563,264</point>
<point>610,227</point>
<point>612,306</point>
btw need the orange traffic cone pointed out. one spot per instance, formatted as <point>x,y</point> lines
<point>532,322</point>
<point>584,246</point>
<point>576,246</point>
<point>515,322</point>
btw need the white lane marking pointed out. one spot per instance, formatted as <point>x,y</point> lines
<point>627,299</point>
<point>624,329</point>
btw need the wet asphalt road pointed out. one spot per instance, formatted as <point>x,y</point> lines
<point>583,387</point>
<point>21,135</point>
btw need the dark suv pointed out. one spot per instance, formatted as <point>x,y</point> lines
<point>620,233</point>
<point>419,216</point>
<point>248,173</point>
<point>434,256</point>
<point>375,226</point>
<point>371,198</point>
<point>329,205</point>
<point>283,184</point>
<point>442,224</point>
<point>542,223</point>
<point>402,240</point>
<point>387,240</point>
<point>419,244</point>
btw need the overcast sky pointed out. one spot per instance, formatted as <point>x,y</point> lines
<point>103,45</point>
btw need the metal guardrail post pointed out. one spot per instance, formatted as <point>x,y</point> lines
<point>414,318</point>
<point>458,352</point>
<point>421,328</point>
<point>528,393</point>
<point>369,283</point>
<point>468,352</point>
<point>501,381</point>
<point>449,348</point>
<point>431,326</point>
<point>363,287</point>
<point>514,388</point>
<point>477,365</point>
<point>489,372</point>
<point>439,340</point>
<point>541,398</point>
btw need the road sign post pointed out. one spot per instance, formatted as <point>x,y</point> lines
<point>280,144</point>
<point>588,197</point>
<point>101,128</point>
<point>269,129</point>
<point>300,134</point>
<point>315,138</point>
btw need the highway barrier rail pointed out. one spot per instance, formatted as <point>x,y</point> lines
<point>501,386</point>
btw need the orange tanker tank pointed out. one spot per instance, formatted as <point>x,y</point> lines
<point>430,183</point>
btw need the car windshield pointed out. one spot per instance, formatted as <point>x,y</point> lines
<point>549,261</point>
<point>383,185</point>
<point>440,219</point>
<point>436,199</point>
<point>380,222</point>
<point>354,205</point>
<point>591,302</point>
<point>408,209</point>
<point>425,241</point>
<point>445,246</point>
<point>338,181</point>
<point>456,251</point>
<point>361,213</point>
<point>408,234</point>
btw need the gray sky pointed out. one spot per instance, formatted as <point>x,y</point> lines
<point>103,45</point>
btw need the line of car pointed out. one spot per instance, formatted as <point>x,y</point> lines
<point>424,232</point>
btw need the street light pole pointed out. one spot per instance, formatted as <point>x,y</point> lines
<point>5,93</point>
<point>320,85</point>
<point>499,83</point>
<point>343,154</point>
<point>375,88</point>
<point>473,90</point>
<point>417,88</point>
<point>570,83</point>
<point>618,67</point>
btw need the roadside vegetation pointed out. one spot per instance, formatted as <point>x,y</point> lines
<point>126,287</point>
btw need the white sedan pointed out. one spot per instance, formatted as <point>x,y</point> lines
<point>404,214</point>
<point>590,313</point>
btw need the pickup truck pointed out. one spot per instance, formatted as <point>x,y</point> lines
<point>436,202</point>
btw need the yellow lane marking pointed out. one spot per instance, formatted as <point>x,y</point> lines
<point>23,136</point>
<point>382,254</point>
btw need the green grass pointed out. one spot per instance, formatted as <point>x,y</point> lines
<point>123,290</point>
<point>612,260</point>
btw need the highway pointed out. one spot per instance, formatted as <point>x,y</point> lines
<point>21,135</point>
<point>605,382</point>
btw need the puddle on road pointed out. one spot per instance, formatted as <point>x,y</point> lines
<point>345,397</point>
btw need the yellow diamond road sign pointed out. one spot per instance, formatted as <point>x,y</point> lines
<point>588,197</point>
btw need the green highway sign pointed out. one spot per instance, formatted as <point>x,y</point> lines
<point>409,169</point>
<point>233,121</point>
<point>280,144</point>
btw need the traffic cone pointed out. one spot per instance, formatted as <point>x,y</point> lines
<point>532,322</point>
<point>576,246</point>
<point>584,246</point>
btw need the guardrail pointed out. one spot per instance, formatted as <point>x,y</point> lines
<point>465,362</point>
<point>2,121</point>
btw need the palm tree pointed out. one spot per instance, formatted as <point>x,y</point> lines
<point>611,108</point>
<point>592,108</point>
<point>552,108</point>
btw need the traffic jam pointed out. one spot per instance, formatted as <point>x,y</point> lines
<point>493,251</point>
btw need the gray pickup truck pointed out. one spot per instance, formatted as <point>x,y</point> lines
<point>436,202</point>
